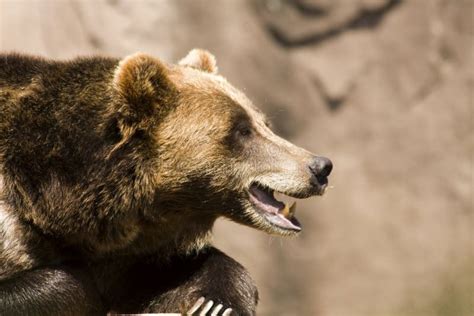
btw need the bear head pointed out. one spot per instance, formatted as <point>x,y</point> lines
<point>213,150</point>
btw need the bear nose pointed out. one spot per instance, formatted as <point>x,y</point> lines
<point>321,167</point>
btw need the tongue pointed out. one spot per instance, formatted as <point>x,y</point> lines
<point>265,200</point>
<point>275,211</point>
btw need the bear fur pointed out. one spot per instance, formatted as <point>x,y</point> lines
<point>113,173</point>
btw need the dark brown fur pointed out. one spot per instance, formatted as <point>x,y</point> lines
<point>114,172</point>
<point>79,154</point>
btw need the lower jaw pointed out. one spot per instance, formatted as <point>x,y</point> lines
<point>277,231</point>
<point>276,223</point>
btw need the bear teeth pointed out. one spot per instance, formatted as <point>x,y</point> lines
<point>283,198</point>
<point>289,211</point>
<point>290,204</point>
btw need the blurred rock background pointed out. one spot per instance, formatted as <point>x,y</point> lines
<point>382,87</point>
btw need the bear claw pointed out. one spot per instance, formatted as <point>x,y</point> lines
<point>204,309</point>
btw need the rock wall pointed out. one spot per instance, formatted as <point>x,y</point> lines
<point>382,87</point>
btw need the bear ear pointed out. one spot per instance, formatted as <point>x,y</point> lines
<point>144,86</point>
<point>200,59</point>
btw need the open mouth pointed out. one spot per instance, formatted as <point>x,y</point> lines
<point>276,207</point>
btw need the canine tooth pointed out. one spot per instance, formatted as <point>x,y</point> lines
<point>283,197</point>
<point>286,211</point>
<point>289,211</point>
<point>292,210</point>
<point>277,196</point>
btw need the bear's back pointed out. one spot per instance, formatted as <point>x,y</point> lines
<point>54,136</point>
<point>17,70</point>
<point>51,112</point>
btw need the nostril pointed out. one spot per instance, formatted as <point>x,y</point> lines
<point>321,167</point>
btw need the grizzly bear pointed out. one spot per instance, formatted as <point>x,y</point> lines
<point>113,173</point>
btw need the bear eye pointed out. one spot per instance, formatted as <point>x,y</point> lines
<point>244,131</point>
<point>242,127</point>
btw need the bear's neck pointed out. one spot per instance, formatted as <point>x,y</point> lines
<point>179,235</point>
